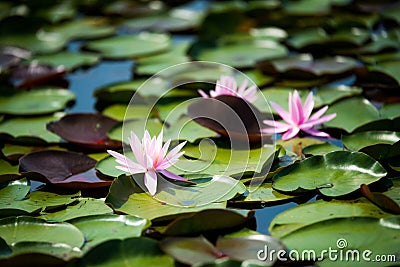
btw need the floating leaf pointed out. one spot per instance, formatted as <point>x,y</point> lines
<point>68,60</point>
<point>230,116</point>
<point>59,250</point>
<point>80,208</point>
<point>62,168</point>
<point>264,194</point>
<point>357,141</point>
<point>390,110</point>
<point>304,67</point>
<point>381,200</point>
<point>33,202</point>
<point>36,102</point>
<point>321,149</point>
<point>290,220</point>
<point>139,251</point>
<point>152,64</point>
<point>14,152</point>
<point>35,74</point>
<point>29,130</point>
<point>133,46</point>
<point>347,234</point>
<point>23,229</point>
<point>126,197</point>
<point>85,129</point>
<point>334,174</point>
<point>100,228</point>
<point>242,55</point>
<point>349,121</point>
<point>7,171</point>
<point>122,112</point>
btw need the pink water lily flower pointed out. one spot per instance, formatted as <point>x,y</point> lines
<point>298,118</point>
<point>151,157</point>
<point>227,85</point>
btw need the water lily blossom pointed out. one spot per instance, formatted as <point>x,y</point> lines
<point>227,85</point>
<point>298,118</point>
<point>151,157</point>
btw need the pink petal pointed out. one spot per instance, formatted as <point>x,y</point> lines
<point>308,106</point>
<point>315,132</point>
<point>150,181</point>
<point>279,127</point>
<point>202,93</point>
<point>292,132</point>
<point>294,110</point>
<point>137,149</point>
<point>176,150</point>
<point>164,149</point>
<point>323,119</point>
<point>172,175</point>
<point>128,165</point>
<point>319,113</point>
<point>283,113</point>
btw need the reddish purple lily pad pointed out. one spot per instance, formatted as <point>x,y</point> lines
<point>232,117</point>
<point>34,74</point>
<point>88,130</point>
<point>62,168</point>
<point>380,200</point>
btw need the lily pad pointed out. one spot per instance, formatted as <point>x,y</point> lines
<point>85,129</point>
<point>29,130</point>
<point>289,221</point>
<point>357,141</point>
<point>14,152</point>
<point>23,229</point>
<point>334,174</point>
<point>36,102</point>
<point>265,194</point>
<point>139,251</point>
<point>68,60</point>
<point>35,74</point>
<point>59,250</point>
<point>321,149</point>
<point>243,55</point>
<point>390,110</point>
<point>131,46</point>
<point>7,171</point>
<point>80,208</point>
<point>206,221</point>
<point>100,228</point>
<point>347,234</point>
<point>33,202</point>
<point>230,116</point>
<point>62,168</point>
<point>119,112</point>
<point>349,121</point>
<point>305,67</point>
<point>126,197</point>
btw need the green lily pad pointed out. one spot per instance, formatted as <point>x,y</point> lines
<point>29,130</point>
<point>122,112</point>
<point>59,250</point>
<point>152,64</point>
<point>86,28</point>
<point>320,210</point>
<point>126,197</point>
<point>346,235</point>
<point>242,55</point>
<point>321,149</point>
<point>8,171</point>
<point>139,251</point>
<point>304,67</point>
<point>23,229</point>
<point>33,202</point>
<point>357,141</point>
<point>389,68</point>
<point>100,228</point>
<point>131,46</point>
<point>68,60</point>
<point>80,208</point>
<point>123,92</point>
<point>390,110</point>
<point>37,42</point>
<point>36,102</point>
<point>265,194</point>
<point>348,118</point>
<point>229,161</point>
<point>334,174</point>
<point>187,129</point>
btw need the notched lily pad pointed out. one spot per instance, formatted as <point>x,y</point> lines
<point>86,129</point>
<point>68,60</point>
<point>62,168</point>
<point>334,174</point>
